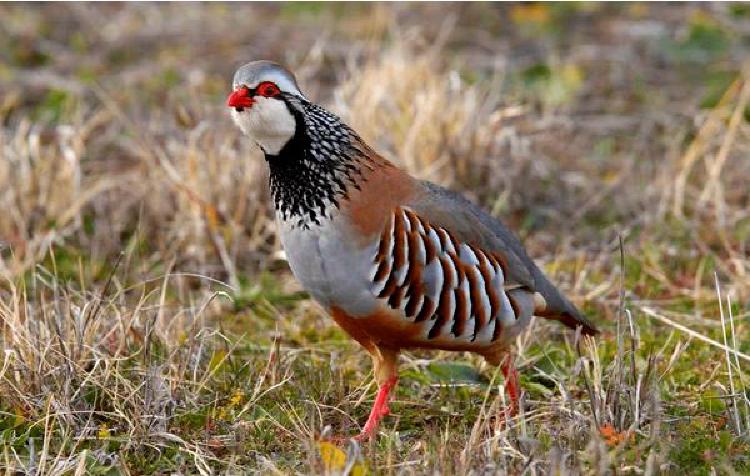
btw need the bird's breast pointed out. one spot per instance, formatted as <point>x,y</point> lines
<point>333,257</point>
<point>330,263</point>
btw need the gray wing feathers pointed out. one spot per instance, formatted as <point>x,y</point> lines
<point>468,221</point>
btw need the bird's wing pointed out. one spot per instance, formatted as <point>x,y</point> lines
<point>454,292</point>
<point>471,225</point>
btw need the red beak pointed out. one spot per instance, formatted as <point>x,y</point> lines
<point>240,99</point>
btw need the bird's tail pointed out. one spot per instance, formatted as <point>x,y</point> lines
<point>551,304</point>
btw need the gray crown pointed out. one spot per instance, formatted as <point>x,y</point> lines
<point>255,72</point>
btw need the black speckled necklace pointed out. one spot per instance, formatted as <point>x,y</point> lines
<point>316,167</point>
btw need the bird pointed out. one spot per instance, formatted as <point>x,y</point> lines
<point>398,263</point>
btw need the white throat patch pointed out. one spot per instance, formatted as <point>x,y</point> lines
<point>268,122</point>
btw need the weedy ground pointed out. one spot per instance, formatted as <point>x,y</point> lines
<point>150,325</point>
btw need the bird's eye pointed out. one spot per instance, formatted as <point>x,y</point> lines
<point>268,89</point>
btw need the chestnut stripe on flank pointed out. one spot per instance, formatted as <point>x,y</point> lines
<point>498,329</point>
<point>450,275</point>
<point>394,300</point>
<point>413,276</point>
<point>390,285</point>
<point>477,304</point>
<point>384,267</point>
<point>414,242</point>
<point>414,220</point>
<point>464,287</point>
<point>427,311</point>
<point>413,305</point>
<point>385,242</point>
<point>494,303</point>
<point>384,257</point>
<point>498,322</point>
<point>459,267</point>
<point>455,244</point>
<point>516,307</point>
<point>442,314</point>
<point>484,268</point>
<point>443,237</point>
<point>399,250</point>
<point>460,316</point>
<point>429,246</point>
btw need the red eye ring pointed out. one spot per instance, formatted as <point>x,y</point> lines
<point>267,89</point>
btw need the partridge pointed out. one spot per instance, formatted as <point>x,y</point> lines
<point>397,262</point>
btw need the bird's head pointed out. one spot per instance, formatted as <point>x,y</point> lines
<point>312,156</point>
<point>262,104</point>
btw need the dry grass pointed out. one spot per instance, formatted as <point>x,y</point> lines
<point>149,324</point>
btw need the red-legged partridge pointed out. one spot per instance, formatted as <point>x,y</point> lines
<point>399,263</point>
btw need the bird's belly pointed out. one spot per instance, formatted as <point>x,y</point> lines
<point>330,266</point>
<point>387,327</point>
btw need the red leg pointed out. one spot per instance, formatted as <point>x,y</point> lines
<point>511,384</point>
<point>379,408</point>
<point>385,363</point>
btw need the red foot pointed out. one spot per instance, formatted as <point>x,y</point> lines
<point>379,409</point>
<point>511,385</point>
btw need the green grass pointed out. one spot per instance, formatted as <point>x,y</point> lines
<point>270,391</point>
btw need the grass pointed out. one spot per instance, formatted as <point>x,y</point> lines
<point>149,323</point>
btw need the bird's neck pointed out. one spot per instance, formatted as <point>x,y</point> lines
<point>314,170</point>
